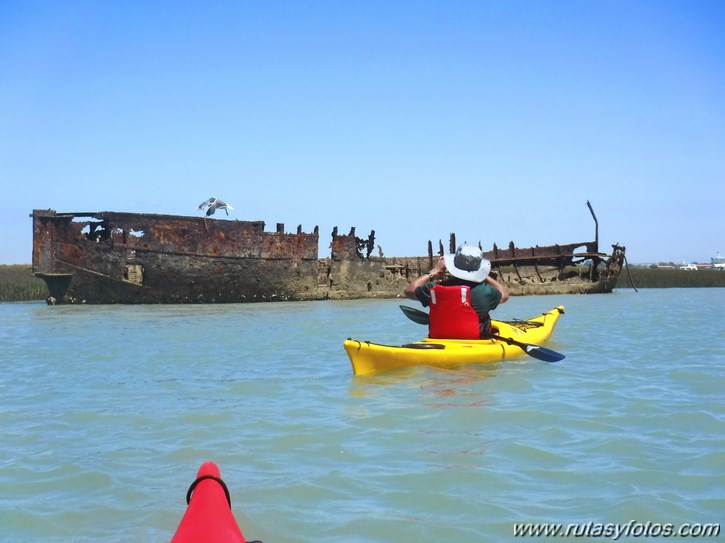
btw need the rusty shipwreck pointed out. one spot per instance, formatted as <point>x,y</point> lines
<point>132,258</point>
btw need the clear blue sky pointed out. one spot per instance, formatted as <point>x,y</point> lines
<point>496,120</point>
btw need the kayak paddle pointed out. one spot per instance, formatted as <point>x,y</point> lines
<point>416,315</point>
<point>542,353</point>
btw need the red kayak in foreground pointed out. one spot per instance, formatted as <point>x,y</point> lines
<point>208,518</point>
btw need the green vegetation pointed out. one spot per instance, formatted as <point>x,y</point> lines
<point>669,278</point>
<point>17,284</point>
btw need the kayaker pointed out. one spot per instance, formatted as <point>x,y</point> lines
<point>460,306</point>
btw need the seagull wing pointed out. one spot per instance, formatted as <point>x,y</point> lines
<point>208,203</point>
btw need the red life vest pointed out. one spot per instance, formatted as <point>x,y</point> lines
<point>451,313</point>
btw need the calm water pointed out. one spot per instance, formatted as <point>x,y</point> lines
<point>107,412</point>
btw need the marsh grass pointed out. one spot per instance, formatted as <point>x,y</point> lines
<point>670,278</point>
<point>18,284</point>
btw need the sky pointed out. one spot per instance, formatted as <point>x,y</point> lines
<point>494,120</point>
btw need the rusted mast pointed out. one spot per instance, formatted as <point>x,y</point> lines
<point>596,226</point>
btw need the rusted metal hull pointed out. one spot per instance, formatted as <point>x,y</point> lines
<point>572,268</point>
<point>135,258</point>
<point>559,269</point>
<point>128,258</point>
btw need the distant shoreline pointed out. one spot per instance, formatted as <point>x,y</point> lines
<point>669,278</point>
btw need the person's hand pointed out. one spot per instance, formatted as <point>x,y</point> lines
<point>439,269</point>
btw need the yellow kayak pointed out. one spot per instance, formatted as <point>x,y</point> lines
<point>514,339</point>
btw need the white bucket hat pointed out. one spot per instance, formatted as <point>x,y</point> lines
<point>468,264</point>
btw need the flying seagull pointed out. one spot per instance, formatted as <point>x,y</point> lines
<point>213,204</point>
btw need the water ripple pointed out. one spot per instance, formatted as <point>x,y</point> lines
<point>107,412</point>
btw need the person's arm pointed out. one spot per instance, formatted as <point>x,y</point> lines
<point>498,286</point>
<point>438,271</point>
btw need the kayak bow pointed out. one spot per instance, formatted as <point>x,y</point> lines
<point>208,517</point>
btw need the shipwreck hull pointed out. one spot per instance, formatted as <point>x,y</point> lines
<point>568,280</point>
<point>138,258</point>
<point>572,268</point>
<point>135,258</point>
<point>576,268</point>
<point>183,279</point>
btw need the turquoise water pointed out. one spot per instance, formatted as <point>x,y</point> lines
<point>108,411</point>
